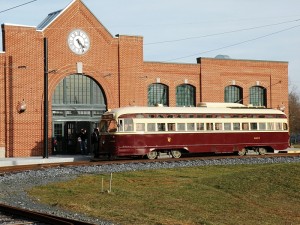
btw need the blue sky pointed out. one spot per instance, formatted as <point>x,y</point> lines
<point>182,30</point>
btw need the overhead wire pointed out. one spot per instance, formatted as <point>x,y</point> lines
<point>17,6</point>
<point>221,33</point>
<point>235,44</point>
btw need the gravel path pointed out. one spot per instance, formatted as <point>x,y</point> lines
<point>13,186</point>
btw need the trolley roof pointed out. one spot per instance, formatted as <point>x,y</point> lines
<point>206,108</point>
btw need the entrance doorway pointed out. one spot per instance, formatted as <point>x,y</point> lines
<point>78,102</point>
<point>65,138</point>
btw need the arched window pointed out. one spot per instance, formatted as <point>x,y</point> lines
<point>233,93</point>
<point>258,96</point>
<point>78,89</point>
<point>78,96</point>
<point>185,95</point>
<point>158,94</point>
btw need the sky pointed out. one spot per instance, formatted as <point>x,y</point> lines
<point>183,30</point>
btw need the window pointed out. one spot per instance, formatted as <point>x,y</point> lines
<point>77,89</point>
<point>171,126</point>
<point>120,125</point>
<point>181,126</point>
<point>161,127</point>
<point>245,126</point>
<point>227,126</point>
<point>112,126</point>
<point>270,126</point>
<point>190,126</point>
<point>236,126</point>
<point>81,91</point>
<point>262,126</point>
<point>258,96</point>
<point>200,126</point>
<point>140,127</point>
<point>185,95</point>
<point>218,126</point>
<point>253,126</point>
<point>158,94</point>
<point>128,124</point>
<point>151,127</point>
<point>278,126</point>
<point>209,126</point>
<point>233,93</point>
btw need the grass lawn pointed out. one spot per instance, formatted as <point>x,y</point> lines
<point>236,194</point>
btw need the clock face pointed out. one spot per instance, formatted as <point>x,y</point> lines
<point>78,42</point>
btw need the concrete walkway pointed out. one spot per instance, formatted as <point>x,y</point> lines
<point>18,161</point>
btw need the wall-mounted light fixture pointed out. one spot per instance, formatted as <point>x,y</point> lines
<point>22,106</point>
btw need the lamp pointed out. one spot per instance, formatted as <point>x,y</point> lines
<point>22,106</point>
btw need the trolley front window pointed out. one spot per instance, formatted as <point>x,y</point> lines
<point>108,126</point>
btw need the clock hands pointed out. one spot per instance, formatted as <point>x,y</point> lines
<point>80,44</point>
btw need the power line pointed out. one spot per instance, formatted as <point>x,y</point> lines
<point>239,43</point>
<point>17,6</point>
<point>216,34</point>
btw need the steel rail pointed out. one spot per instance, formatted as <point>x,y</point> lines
<point>41,217</point>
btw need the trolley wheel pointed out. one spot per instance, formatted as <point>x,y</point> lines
<point>176,154</point>
<point>242,152</point>
<point>152,155</point>
<point>262,151</point>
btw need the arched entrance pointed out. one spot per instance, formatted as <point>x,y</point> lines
<point>78,102</point>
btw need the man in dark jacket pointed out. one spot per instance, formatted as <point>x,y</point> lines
<point>95,142</point>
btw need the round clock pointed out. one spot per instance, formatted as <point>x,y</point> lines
<point>78,41</point>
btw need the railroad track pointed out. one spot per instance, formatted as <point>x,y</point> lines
<point>14,169</point>
<point>14,215</point>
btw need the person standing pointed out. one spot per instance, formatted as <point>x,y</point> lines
<point>95,142</point>
<point>83,140</point>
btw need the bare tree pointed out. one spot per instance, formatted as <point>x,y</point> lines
<point>294,114</point>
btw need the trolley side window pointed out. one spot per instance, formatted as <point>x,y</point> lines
<point>151,127</point>
<point>285,126</point>
<point>218,126</point>
<point>253,126</point>
<point>262,126</point>
<point>200,126</point>
<point>190,126</point>
<point>140,127</point>
<point>245,126</point>
<point>161,126</point>
<point>236,126</point>
<point>227,126</point>
<point>209,126</point>
<point>128,124</point>
<point>270,126</point>
<point>171,126</point>
<point>278,126</point>
<point>181,126</point>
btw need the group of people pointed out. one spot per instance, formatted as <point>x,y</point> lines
<point>82,139</point>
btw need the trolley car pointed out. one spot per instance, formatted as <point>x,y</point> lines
<point>211,127</point>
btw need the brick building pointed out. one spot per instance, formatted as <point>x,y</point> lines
<point>89,71</point>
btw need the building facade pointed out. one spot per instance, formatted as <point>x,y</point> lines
<point>89,71</point>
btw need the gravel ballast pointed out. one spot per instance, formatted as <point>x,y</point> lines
<point>13,186</point>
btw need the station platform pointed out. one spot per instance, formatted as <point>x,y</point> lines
<point>19,161</point>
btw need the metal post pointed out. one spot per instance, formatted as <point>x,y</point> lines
<point>45,98</point>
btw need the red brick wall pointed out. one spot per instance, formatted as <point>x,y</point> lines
<point>117,65</point>
<point>216,74</point>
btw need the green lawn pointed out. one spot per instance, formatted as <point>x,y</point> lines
<point>238,194</point>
